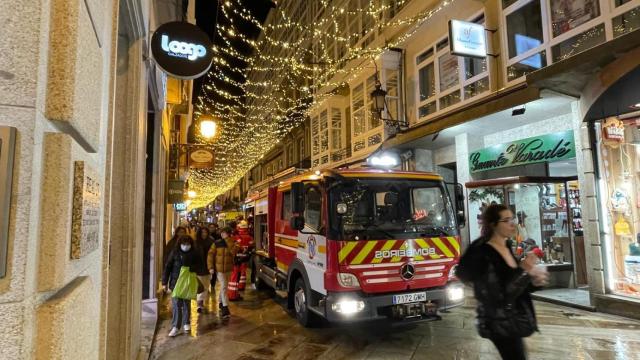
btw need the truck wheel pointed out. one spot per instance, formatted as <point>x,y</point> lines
<point>300,304</point>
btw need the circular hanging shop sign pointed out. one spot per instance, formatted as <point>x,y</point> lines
<point>182,50</point>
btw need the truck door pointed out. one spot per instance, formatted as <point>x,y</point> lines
<point>312,241</point>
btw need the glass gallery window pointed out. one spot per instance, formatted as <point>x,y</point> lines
<point>541,32</point>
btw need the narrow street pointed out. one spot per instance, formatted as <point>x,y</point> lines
<point>261,328</point>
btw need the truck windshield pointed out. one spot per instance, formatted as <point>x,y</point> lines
<point>390,209</point>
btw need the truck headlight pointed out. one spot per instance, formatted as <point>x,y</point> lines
<point>347,306</point>
<point>348,280</point>
<point>455,293</point>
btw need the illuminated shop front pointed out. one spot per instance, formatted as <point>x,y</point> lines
<point>618,142</point>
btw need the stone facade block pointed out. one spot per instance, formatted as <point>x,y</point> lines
<point>13,333</point>
<point>587,160</point>
<point>66,330</point>
<point>56,266</point>
<point>596,257</point>
<point>591,232</point>
<point>75,62</point>
<point>589,188</point>
<point>590,208</point>
<point>584,138</point>
<point>18,64</point>
<point>596,282</point>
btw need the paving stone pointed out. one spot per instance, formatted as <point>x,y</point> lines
<point>261,328</point>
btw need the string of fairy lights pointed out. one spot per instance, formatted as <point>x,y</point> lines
<point>295,64</point>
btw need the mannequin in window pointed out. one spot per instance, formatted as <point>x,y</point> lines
<point>521,229</point>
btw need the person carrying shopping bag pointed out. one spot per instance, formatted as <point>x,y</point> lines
<point>501,284</point>
<point>181,282</point>
<point>220,263</point>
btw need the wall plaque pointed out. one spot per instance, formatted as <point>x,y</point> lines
<point>85,224</point>
<point>7,148</point>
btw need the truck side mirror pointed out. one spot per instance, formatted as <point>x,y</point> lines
<point>297,222</point>
<point>297,198</point>
<point>460,215</point>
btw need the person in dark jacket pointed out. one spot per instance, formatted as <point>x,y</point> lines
<point>502,286</point>
<point>182,255</point>
<point>202,245</point>
<point>173,243</point>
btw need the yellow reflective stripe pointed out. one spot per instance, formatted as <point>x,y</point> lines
<point>364,252</point>
<point>442,247</point>
<point>398,258</point>
<point>423,244</point>
<point>344,252</point>
<point>388,245</point>
<point>455,244</point>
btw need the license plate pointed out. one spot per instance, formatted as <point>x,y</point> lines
<point>409,298</point>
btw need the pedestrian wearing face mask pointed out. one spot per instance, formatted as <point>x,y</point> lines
<point>182,255</point>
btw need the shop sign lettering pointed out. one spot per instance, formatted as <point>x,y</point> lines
<point>182,49</point>
<point>546,148</point>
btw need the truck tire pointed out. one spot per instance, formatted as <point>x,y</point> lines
<point>300,304</point>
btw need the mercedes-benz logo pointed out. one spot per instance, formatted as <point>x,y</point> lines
<point>407,271</point>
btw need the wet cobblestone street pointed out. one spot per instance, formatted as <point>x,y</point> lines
<point>261,328</point>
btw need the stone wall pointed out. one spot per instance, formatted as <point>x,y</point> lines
<point>55,87</point>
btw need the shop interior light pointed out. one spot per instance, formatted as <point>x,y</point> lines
<point>191,194</point>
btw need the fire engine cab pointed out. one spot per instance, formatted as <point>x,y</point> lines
<point>363,244</point>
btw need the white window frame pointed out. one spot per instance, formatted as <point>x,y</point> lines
<point>608,11</point>
<point>369,131</point>
<point>462,83</point>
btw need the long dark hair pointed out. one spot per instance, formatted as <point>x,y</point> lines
<point>490,219</point>
<point>199,232</point>
<point>175,233</point>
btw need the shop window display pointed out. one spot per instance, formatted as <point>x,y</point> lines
<point>619,154</point>
<point>549,223</point>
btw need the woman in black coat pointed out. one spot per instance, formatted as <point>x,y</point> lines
<point>183,254</point>
<point>502,287</point>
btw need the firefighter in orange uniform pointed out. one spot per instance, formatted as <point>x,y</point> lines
<point>239,276</point>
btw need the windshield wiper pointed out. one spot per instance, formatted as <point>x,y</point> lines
<point>440,230</point>
<point>375,227</point>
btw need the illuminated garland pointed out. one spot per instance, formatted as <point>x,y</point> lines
<point>250,124</point>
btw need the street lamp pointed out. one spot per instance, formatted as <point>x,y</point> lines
<point>208,128</point>
<point>378,97</point>
<point>379,100</point>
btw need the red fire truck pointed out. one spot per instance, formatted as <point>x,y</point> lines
<point>365,244</point>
